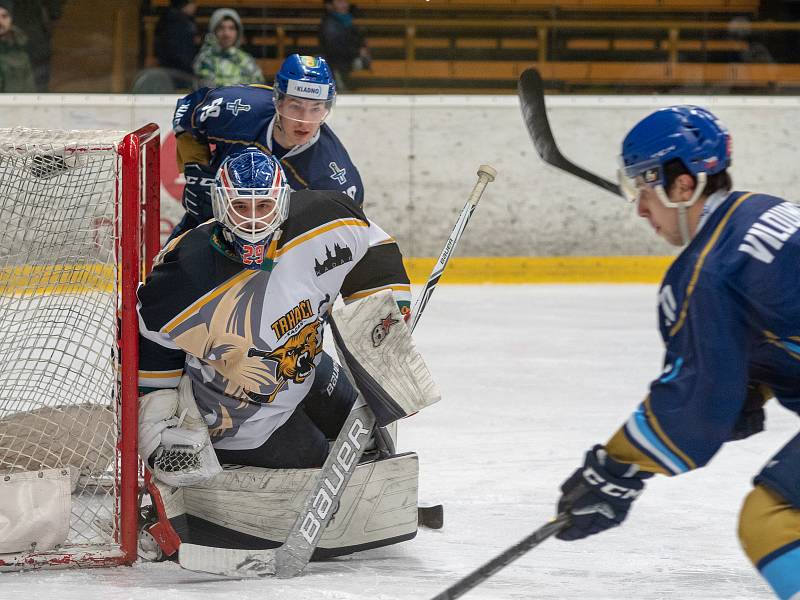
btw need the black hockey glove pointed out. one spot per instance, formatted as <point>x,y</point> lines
<point>598,495</point>
<point>197,191</point>
<point>751,419</point>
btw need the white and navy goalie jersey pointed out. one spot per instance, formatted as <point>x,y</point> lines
<point>229,119</point>
<point>729,313</point>
<point>250,339</point>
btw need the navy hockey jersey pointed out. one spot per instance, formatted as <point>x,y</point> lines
<point>235,117</point>
<point>250,339</point>
<point>729,314</point>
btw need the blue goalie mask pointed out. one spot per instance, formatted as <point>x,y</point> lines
<point>690,134</point>
<point>250,197</point>
<point>304,89</point>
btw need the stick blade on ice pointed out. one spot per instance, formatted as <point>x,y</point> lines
<point>226,561</point>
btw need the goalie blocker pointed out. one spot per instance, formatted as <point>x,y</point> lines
<point>378,352</point>
<point>291,510</point>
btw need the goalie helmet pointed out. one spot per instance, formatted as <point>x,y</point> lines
<point>250,198</point>
<point>689,134</point>
<point>306,78</point>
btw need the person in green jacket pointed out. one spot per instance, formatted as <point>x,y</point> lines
<point>16,73</point>
<point>221,61</point>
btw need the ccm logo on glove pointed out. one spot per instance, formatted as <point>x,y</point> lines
<point>592,477</point>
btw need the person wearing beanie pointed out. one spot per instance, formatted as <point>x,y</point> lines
<point>16,73</point>
<point>221,61</point>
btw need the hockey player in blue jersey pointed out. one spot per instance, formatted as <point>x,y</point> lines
<point>287,121</point>
<point>729,315</point>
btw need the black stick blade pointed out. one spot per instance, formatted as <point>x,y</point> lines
<point>531,95</point>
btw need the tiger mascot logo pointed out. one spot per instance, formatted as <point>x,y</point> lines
<point>294,360</point>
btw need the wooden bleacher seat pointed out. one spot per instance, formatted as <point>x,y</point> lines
<point>439,52</point>
<point>677,6</point>
<point>652,44</point>
<point>600,72</point>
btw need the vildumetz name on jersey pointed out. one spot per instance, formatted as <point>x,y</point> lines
<point>729,314</point>
<point>250,339</point>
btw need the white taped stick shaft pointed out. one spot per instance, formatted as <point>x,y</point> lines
<point>486,174</point>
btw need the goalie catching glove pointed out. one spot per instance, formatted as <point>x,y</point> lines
<point>598,495</point>
<point>173,437</point>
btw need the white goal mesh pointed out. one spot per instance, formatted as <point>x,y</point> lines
<point>60,257</point>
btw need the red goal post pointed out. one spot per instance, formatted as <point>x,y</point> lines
<point>80,214</point>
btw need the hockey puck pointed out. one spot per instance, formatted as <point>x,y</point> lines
<point>431,517</point>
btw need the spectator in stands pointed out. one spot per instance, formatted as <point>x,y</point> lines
<point>36,18</point>
<point>16,73</point>
<point>175,40</point>
<point>755,51</point>
<point>221,61</point>
<point>342,44</point>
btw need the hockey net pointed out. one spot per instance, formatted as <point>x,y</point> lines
<point>80,218</point>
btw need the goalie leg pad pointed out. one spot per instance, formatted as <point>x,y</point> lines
<point>257,507</point>
<point>377,349</point>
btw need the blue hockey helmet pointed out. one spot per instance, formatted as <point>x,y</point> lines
<point>306,78</point>
<point>690,134</point>
<point>250,196</point>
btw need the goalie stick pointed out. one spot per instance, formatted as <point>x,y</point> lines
<point>486,174</point>
<point>293,555</point>
<point>482,573</point>
<point>534,113</point>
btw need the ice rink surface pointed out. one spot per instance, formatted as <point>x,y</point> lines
<point>531,377</point>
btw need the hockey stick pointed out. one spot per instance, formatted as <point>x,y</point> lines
<point>534,113</point>
<point>433,516</point>
<point>486,174</point>
<point>293,555</point>
<point>482,573</point>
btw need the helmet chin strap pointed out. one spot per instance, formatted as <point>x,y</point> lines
<point>683,225</point>
<point>683,207</point>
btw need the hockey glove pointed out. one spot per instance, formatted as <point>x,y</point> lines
<point>197,191</point>
<point>598,495</point>
<point>751,419</point>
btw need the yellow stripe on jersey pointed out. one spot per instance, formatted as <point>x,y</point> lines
<point>389,240</point>
<point>767,523</point>
<point>397,288</point>
<point>319,231</point>
<point>203,300</point>
<point>701,260</point>
<point>621,449</point>
<point>160,374</point>
<point>776,341</point>
<point>160,379</point>
<point>289,166</point>
<point>653,422</point>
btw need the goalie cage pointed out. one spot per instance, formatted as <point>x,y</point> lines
<point>80,220</point>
